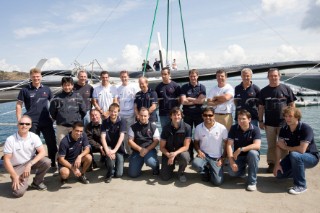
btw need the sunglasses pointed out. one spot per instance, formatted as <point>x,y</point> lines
<point>207,115</point>
<point>27,124</point>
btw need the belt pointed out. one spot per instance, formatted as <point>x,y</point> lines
<point>222,113</point>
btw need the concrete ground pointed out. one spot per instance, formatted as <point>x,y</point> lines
<point>149,194</point>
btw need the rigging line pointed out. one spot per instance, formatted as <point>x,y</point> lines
<point>99,28</point>
<point>9,112</point>
<point>167,49</point>
<point>154,19</point>
<point>184,37</point>
<point>297,75</point>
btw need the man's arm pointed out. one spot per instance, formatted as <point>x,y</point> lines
<point>152,108</point>
<point>96,105</point>
<point>19,109</point>
<point>260,114</point>
<point>200,99</point>
<point>302,148</point>
<point>292,104</point>
<point>120,141</point>
<point>196,144</point>
<point>230,153</point>
<point>136,111</point>
<point>185,101</point>
<point>277,166</point>
<point>90,134</point>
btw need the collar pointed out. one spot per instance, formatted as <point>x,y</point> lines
<point>117,120</point>
<point>198,84</point>
<point>250,127</point>
<point>33,87</point>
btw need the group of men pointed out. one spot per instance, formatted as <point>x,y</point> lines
<point>123,123</point>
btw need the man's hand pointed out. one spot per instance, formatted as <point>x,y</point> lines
<point>234,167</point>
<point>236,153</point>
<point>282,144</point>
<point>277,168</point>
<point>261,125</point>
<point>143,152</point>
<point>27,171</point>
<point>76,171</point>
<point>77,163</point>
<point>171,157</point>
<point>219,162</point>
<point>201,154</point>
<point>16,182</point>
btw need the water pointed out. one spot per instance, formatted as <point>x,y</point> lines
<point>309,114</point>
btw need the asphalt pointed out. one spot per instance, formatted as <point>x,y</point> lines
<point>148,193</point>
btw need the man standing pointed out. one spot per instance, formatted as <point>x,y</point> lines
<point>193,95</point>
<point>156,65</point>
<point>104,95</point>
<point>273,98</point>
<point>209,141</point>
<point>66,108</point>
<point>247,96</point>
<point>174,145</point>
<point>146,98</point>
<point>85,90</point>
<point>221,98</point>
<point>143,138</point>
<point>169,93</point>
<point>243,147</point>
<point>126,94</point>
<point>297,138</point>
<point>36,98</point>
<point>20,158</point>
<point>93,131</point>
<point>113,130</point>
<point>74,152</point>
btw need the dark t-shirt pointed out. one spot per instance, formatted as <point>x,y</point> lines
<point>243,138</point>
<point>113,131</point>
<point>170,93</point>
<point>146,100</point>
<point>247,99</point>
<point>86,93</point>
<point>37,103</point>
<point>274,99</point>
<point>156,65</point>
<point>193,91</point>
<point>71,149</point>
<point>303,132</point>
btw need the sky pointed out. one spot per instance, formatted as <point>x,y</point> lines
<point>116,33</point>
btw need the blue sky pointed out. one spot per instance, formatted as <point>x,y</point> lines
<point>116,32</point>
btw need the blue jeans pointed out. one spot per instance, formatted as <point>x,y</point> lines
<point>136,162</point>
<point>294,165</point>
<point>216,172</point>
<point>114,167</point>
<point>252,160</point>
<point>164,120</point>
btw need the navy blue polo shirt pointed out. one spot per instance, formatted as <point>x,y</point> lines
<point>113,131</point>
<point>247,99</point>
<point>274,99</point>
<point>86,92</point>
<point>175,137</point>
<point>243,138</point>
<point>71,149</point>
<point>194,92</point>
<point>36,102</point>
<point>303,132</point>
<point>146,100</point>
<point>169,94</point>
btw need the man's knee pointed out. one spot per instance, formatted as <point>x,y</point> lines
<point>133,173</point>
<point>64,172</point>
<point>87,158</point>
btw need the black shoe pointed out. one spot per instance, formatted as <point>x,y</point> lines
<point>102,159</point>
<point>40,187</point>
<point>156,172</point>
<point>63,181</point>
<point>108,179</point>
<point>83,179</point>
<point>94,165</point>
<point>270,168</point>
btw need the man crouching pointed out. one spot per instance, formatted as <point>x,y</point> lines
<point>74,152</point>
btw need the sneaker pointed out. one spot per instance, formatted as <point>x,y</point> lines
<point>108,179</point>
<point>94,165</point>
<point>270,168</point>
<point>252,187</point>
<point>83,179</point>
<point>40,187</point>
<point>297,190</point>
<point>156,172</point>
<point>182,178</point>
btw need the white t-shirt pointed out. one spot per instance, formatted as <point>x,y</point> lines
<point>126,95</point>
<point>211,140</point>
<point>217,91</point>
<point>104,96</point>
<point>22,150</point>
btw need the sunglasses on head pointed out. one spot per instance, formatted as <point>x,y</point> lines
<point>27,124</point>
<point>207,115</point>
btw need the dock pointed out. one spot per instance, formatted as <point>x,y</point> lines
<point>149,193</point>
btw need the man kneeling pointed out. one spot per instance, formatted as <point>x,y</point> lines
<point>74,152</point>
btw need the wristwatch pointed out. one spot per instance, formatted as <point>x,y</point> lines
<point>240,149</point>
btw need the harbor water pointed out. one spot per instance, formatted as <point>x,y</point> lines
<point>309,114</point>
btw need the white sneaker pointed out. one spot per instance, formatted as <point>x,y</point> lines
<point>252,187</point>
<point>183,178</point>
<point>297,190</point>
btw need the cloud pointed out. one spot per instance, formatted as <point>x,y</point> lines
<point>53,64</point>
<point>287,53</point>
<point>312,18</point>
<point>29,31</point>
<point>235,54</point>
<point>275,6</point>
<point>4,66</point>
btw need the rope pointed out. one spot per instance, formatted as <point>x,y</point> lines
<point>154,18</point>
<point>184,38</point>
<point>167,49</point>
<point>297,75</point>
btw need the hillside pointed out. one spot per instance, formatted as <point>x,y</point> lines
<point>15,75</point>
